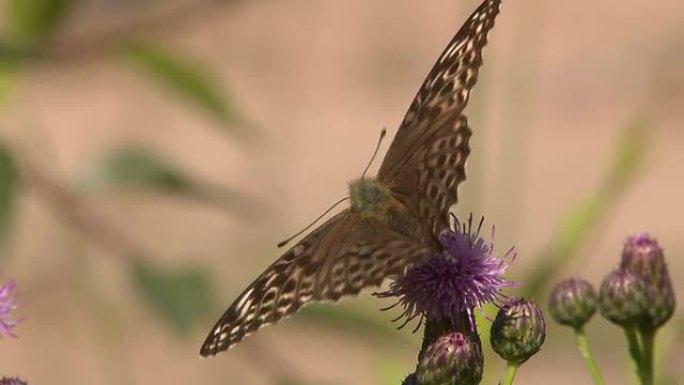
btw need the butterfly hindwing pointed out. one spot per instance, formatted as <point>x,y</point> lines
<point>341,257</point>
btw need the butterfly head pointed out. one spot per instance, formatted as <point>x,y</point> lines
<point>369,197</point>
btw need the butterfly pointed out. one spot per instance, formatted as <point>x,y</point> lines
<point>394,218</point>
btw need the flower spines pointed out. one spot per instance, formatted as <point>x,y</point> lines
<point>8,304</point>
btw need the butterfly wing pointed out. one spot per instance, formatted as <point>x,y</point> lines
<point>423,167</point>
<point>428,182</point>
<point>419,165</point>
<point>341,257</point>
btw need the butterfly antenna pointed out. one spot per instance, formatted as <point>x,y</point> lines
<point>377,147</point>
<point>285,242</point>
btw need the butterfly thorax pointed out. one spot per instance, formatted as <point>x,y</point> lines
<point>369,197</point>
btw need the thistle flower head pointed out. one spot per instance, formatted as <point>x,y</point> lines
<point>573,302</point>
<point>519,330</point>
<point>467,274</point>
<point>623,299</point>
<point>11,381</point>
<point>8,303</point>
<point>451,359</point>
<point>643,256</point>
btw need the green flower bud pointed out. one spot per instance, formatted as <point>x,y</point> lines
<point>643,256</point>
<point>622,298</point>
<point>452,359</point>
<point>518,331</point>
<point>573,302</point>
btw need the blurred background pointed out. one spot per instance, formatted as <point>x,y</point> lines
<point>152,154</point>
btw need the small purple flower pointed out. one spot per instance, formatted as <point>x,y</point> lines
<point>11,381</point>
<point>8,303</point>
<point>448,286</point>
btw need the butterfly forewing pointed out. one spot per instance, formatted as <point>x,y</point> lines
<point>445,92</point>
<point>430,179</point>
<point>343,256</point>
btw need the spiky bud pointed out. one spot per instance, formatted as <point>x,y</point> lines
<point>622,298</point>
<point>518,331</point>
<point>573,302</point>
<point>451,359</point>
<point>11,381</point>
<point>643,256</point>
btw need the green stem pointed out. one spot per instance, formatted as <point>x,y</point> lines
<point>511,368</point>
<point>583,346</point>
<point>647,340</point>
<point>635,351</point>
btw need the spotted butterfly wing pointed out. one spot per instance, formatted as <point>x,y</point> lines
<point>341,257</point>
<point>353,250</point>
<point>426,161</point>
<point>429,180</point>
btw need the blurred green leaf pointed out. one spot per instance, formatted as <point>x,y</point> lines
<point>630,154</point>
<point>390,373</point>
<point>576,228</point>
<point>9,181</point>
<point>185,78</point>
<point>577,225</point>
<point>137,167</point>
<point>182,297</point>
<point>342,317</point>
<point>8,78</point>
<point>32,21</point>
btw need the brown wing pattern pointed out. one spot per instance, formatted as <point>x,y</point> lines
<point>446,90</point>
<point>339,258</point>
<point>429,182</point>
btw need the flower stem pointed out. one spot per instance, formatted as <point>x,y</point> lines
<point>647,341</point>
<point>583,346</point>
<point>635,351</point>
<point>511,369</point>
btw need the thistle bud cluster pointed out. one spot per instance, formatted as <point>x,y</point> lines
<point>637,296</point>
<point>639,293</point>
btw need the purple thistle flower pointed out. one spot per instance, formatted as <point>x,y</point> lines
<point>11,381</point>
<point>8,303</point>
<point>448,286</point>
